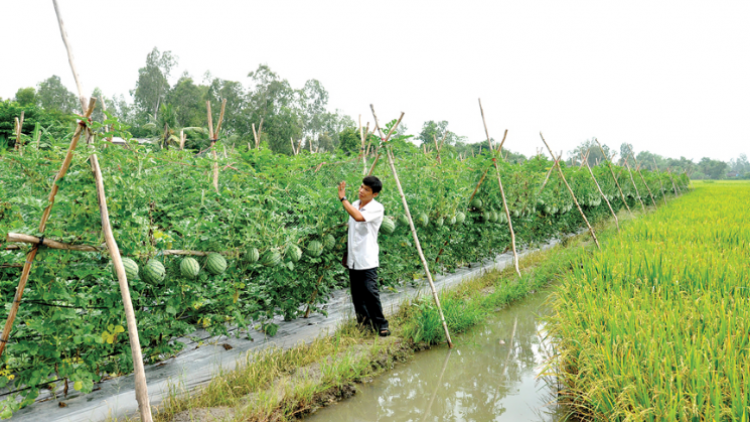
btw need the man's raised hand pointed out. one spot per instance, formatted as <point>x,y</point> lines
<point>342,190</point>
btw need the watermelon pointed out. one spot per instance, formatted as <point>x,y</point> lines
<point>216,264</point>
<point>476,203</point>
<point>153,272</point>
<point>460,217</point>
<point>252,255</point>
<point>502,218</point>
<point>388,226</point>
<point>131,269</point>
<point>314,248</point>
<point>423,220</point>
<point>439,222</point>
<point>493,216</point>
<point>329,241</point>
<point>271,258</point>
<point>403,220</point>
<point>452,221</point>
<point>486,216</point>
<point>189,268</point>
<point>294,253</point>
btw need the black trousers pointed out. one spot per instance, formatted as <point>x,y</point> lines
<point>366,298</point>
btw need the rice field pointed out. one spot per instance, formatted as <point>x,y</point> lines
<point>656,326</point>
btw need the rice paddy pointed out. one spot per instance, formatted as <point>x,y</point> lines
<point>656,326</point>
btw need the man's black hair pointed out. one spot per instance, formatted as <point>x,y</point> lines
<point>374,183</point>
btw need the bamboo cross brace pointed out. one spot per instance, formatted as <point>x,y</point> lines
<point>627,166</point>
<point>489,141</point>
<point>638,169</point>
<point>502,189</point>
<point>554,163</point>
<point>562,175</point>
<point>437,149</point>
<point>614,215</point>
<point>255,136</point>
<point>33,240</point>
<point>411,223</point>
<point>362,146</point>
<point>384,140</point>
<point>609,164</point>
<point>42,226</point>
<point>19,126</point>
<point>674,187</point>
<point>661,185</point>
<point>478,185</point>
<point>294,151</point>
<point>141,389</point>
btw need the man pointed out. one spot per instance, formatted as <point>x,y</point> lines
<point>365,216</point>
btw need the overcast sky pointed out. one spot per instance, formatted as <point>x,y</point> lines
<point>672,77</point>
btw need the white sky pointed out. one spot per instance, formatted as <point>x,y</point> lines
<point>672,77</point>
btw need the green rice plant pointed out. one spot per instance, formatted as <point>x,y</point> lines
<point>656,326</point>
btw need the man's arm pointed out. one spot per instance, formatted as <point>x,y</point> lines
<point>356,215</point>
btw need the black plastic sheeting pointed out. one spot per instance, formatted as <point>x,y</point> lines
<point>196,365</point>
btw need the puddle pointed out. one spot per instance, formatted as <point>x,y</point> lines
<point>491,375</point>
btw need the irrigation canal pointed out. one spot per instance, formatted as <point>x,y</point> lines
<point>491,375</point>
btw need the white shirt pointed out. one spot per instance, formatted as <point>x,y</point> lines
<point>363,249</point>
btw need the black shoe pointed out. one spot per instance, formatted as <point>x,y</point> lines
<point>384,332</point>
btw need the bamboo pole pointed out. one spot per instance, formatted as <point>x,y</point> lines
<point>502,189</point>
<point>141,389</point>
<point>661,185</point>
<point>33,240</point>
<point>255,136</point>
<point>437,149</point>
<point>630,173</point>
<point>68,48</point>
<point>489,141</point>
<point>221,117</point>
<point>555,162</point>
<point>674,186</point>
<point>213,136</point>
<point>19,124</point>
<point>638,169</point>
<point>562,175</point>
<point>591,172</point>
<point>80,128</point>
<point>182,140</point>
<point>365,151</point>
<point>384,140</point>
<point>260,132</point>
<point>609,163</point>
<point>411,223</point>
<point>291,140</point>
<point>478,185</point>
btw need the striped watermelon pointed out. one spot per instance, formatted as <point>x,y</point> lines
<point>252,255</point>
<point>131,269</point>
<point>329,241</point>
<point>216,264</point>
<point>388,226</point>
<point>189,268</point>
<point>271,258</point>
<point>314,248</point>
<point>294,253</point>
<point>153,272</point>
<point>460,217</point>
<point>423,220</point>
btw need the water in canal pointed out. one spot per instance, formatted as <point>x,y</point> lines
<point>490,375</point>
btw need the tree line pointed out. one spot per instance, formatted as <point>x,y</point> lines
<point>291,118</point>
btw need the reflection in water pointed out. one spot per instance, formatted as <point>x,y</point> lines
<point>489,376</point>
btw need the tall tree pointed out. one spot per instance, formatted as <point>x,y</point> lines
<point>153,82</point>
<point>26,96</point>
<point>53,95</point>
<point>188,99</point>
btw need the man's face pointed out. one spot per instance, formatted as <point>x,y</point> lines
<point>365,193</point>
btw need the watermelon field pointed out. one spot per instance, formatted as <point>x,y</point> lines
<point>268,243</point>
<point>655,326</point>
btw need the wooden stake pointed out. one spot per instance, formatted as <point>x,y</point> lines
<point>643,207</point>
<point>141,390</point>
<point>573,195</point>
<point>182,140</point>
<point>489,141</point>
<point>674,187</point>
<point>411,223</point>
<point>554,163</point>
<point>221,118</point>
<point>42,226</point>
<point>437,149</point>
<point>212,135</point>
<point>502,190</point>
<point>617,222</point>
<point>364,152</point>
<point>638,169</point>
<point>661,185</point>
<point>64,35</point>
<point>294,151</point>
<point>33,240</point>
<point>19,124</point>
<point>384,140</point>
<point>478,185</point>
<point>609,163</point>
<point>255,136</point>
<point>260,131</point>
